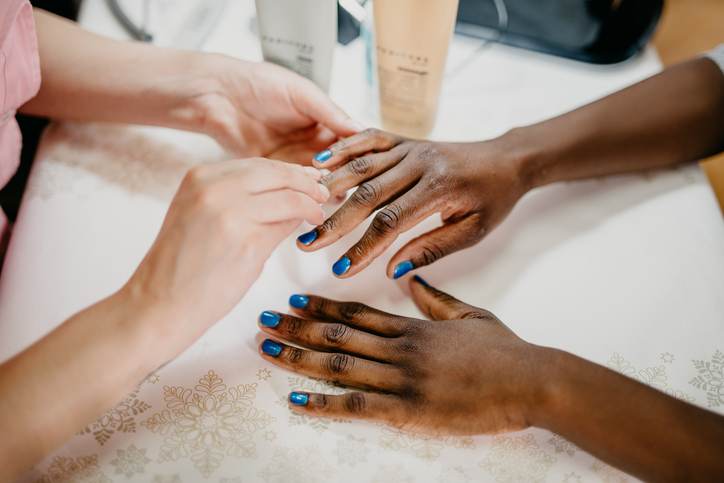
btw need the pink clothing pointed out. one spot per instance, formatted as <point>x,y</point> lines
<point>19,82</point>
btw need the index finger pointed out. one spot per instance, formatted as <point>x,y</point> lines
<point>369,140</point>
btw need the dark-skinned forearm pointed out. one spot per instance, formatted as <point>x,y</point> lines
<point>630,425</point>
<point>674,117</point>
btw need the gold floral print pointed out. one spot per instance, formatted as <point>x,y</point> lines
<point>352,450</point>
<point>263,374</point>
<point>608,474</point>
<point>562,445</point>
<point>396,473</point>
<point>655,376</point>
<point>457,474</point>
<point>83,469</point>
<point>667,357</point>
<point>209,422</point>
<point>711,379</point>
<point>517,458</point>
<point>572,477</point>
<point>422,446</point>
<point>297,464</point>
<point>166,479</point>
<point>120,419</point>
<point>130,461</point>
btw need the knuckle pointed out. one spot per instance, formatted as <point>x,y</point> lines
<point>360,166</point>
<point>367,195</point>
<point>408,345</point>
<point>294,355</point>
<point>330,224</point>
<point>336,335</point>
<point>293,326</point>
<point>355,402</point>
<point>431,253</point>
<point>387,220</point>
<point>352,311</point>
<point>195,175</point>
<point>477,314</point>
<point>338,364</point>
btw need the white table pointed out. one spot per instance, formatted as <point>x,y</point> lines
<point>626,271</point>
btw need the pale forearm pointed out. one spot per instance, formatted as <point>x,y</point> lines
<point>87,77</point>
<point>71,376</point>
<point>630,425</point>
<point>674,117</point>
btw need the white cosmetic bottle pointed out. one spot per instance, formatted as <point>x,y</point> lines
<point>300,35</point>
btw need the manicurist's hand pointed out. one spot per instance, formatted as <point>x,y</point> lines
<point>260,109</point>
<point>224,222</point>
<point>473,186</point>
<point>464,372</point>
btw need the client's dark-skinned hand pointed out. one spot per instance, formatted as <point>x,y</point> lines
<point>473,186</point>
<point>463,372</point>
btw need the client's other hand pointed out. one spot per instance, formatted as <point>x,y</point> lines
<point>464,372</point>
<point>472,185</point>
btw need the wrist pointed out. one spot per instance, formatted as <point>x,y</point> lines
<point>532,154</point>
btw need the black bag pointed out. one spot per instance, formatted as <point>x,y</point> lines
<point>596,31</point>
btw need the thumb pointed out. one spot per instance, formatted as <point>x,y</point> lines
<point>311,101</point>
<point>438,305</point>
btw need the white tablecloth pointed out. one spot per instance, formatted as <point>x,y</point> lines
<point>627,271</point>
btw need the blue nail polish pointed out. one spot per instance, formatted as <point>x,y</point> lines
<point>299,398</point>
<point>421,281</point>
<point>323,156</point>
<point>298,301</point>
<point>341,266</point>
<point>269,319</point>
<point>402,268</point>
<point>308,238</point>
<point>271,348</point>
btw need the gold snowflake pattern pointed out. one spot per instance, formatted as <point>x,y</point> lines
<point>572,478</point>
<point>396,473</point>
<point>313,386</point>
<point>120,419</point>
<point>270,436</point>
<point>352,450</point>
<point>456,474</point>
<point>130,461</point>
<point>208,423</point>
<point>263,374</point>
<point>608,474</point>
<point>517,458</point>
<point>83,469</point>
<point>422,446</point>
<point>667,357</point>
<point>655,376</point>
<point>152,378</point>
<point>562,445</point>
<point>299,464</point>
<point>166,479</point>
<point>711,379</point>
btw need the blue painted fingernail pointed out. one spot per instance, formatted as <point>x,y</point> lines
<point>299,398</point>
<point>323,156</point>
<point>271,348</point>
<point>308,238</point>
<point>341,266</point>
<point>402,268</point>
<point>269,319</point>
<point>298,301</point>
<point>421,281</point>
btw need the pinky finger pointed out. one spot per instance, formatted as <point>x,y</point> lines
<point>436,244</point>
<point>352,405</point>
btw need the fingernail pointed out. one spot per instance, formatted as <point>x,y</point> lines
<point>308,238</point>
<point>324,190</point>
<point>323,156</point>
<point>299,398</point>
<point>341,266</point>
<point>421,281</point>
<point>271,348</point>
<point>298,301</point>
<point>402,268</point>
<point>269,319</point>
